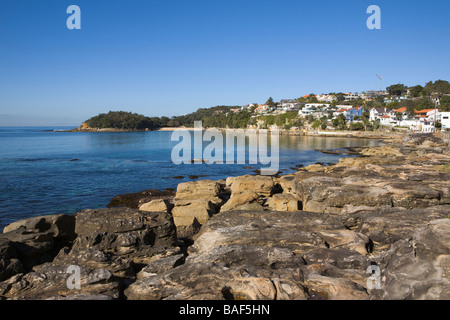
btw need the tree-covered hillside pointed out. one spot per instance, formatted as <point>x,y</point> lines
<point>122,120</point>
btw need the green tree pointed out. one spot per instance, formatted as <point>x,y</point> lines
<point>340,96</point>
<point>270,102</point>
<point>123,120</point>
<point>439,87</point>
<point>445,104</point>
<point>396,89</point>
<point>316,124</point>
<point>339,122</point>
<point>356,126</point>
<point>416,91</point>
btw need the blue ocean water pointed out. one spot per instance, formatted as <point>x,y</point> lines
<point>46,172</point>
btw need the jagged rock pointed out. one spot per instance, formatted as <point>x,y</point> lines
<point>257,255</point>
<point>126,232</point>
<point>10,267</point>
<point>373,182</point>
<point>111,245</point>
<point>50,281</point>
<point>330,288</point>
<point>283,202</point>
<point>195,203</point>
<point>60,225</point>
<point>35,240</point>
<point>262,185</point>
<point>315,168</point>
<point>241,201</point>
<point>134,200</point>
<point>161,265</point>
<point>387,226</point>
<point>160,205</point>
<point>217,283</point>
<point>199,190</point>
<point>418,267</point>
<point>248,192</point>
<point>93,259</point>
<point>189,215</point>
<point>9,264</point>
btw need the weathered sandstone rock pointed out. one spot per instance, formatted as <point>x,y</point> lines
<point>159,205</point>
<point>195,203</point>
<point>257,255</point>
<point>241,201</point>
<point>262,185</point>
<point>135,200</point>
<point>111,246</point>
<point>126,232</point>
<point>283,202</point>
<point>36,240</point>
<point>199,190</point>
<point>189,215</point>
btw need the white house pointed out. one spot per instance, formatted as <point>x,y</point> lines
<point>311,108</point>
<point>377,113</point>
<point>354,96</point>
<point>262,108</point>
<point>322,106</point>
<point>386,120</point>
<point>289,104</point>
<point>445,120</point>
<point>326,97</point>
<point>428,115</point>
<point>395,98</point>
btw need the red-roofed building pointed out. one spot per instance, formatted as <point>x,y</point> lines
<point>381,113</point>
<point>425,111</point>
<point>427,115</point>
<point>401,110</point>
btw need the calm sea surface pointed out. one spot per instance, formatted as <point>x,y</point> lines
<point>37,176</point>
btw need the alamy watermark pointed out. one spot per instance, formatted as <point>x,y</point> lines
<point>74,280</point>
<point>74,20</point>
<point>374,281</point>
<point>374,21</point>
<point>258,147</point>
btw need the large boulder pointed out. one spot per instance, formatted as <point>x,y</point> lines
<point>418,267</point>
<point>305,255</point>
<point>262,185</point>
<point>195,203</point>
<point>126,232</point>
<point>189,215</point>
<point>52,281</point>
<point>199,190</point>
<point>159,205</point>
<point>9,264</point>
<point>111,246</point>
<point>135,200</point>
<point>242,201</point>
<point>38,239</point>
<point>283,202</point>
<point>261,255</point>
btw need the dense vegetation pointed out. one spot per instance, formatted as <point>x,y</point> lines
<point>420,97</point>
<point>219,116</point>
<point>122,120</point>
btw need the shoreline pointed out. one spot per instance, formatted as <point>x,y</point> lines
<point>328,223</point>
<point>334,134</point>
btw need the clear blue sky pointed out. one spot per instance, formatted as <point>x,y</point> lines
<point>171,57</point>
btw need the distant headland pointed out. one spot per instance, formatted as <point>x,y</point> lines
<point>398,108</point>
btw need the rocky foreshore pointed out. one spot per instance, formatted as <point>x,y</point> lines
<point>375,226</point>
